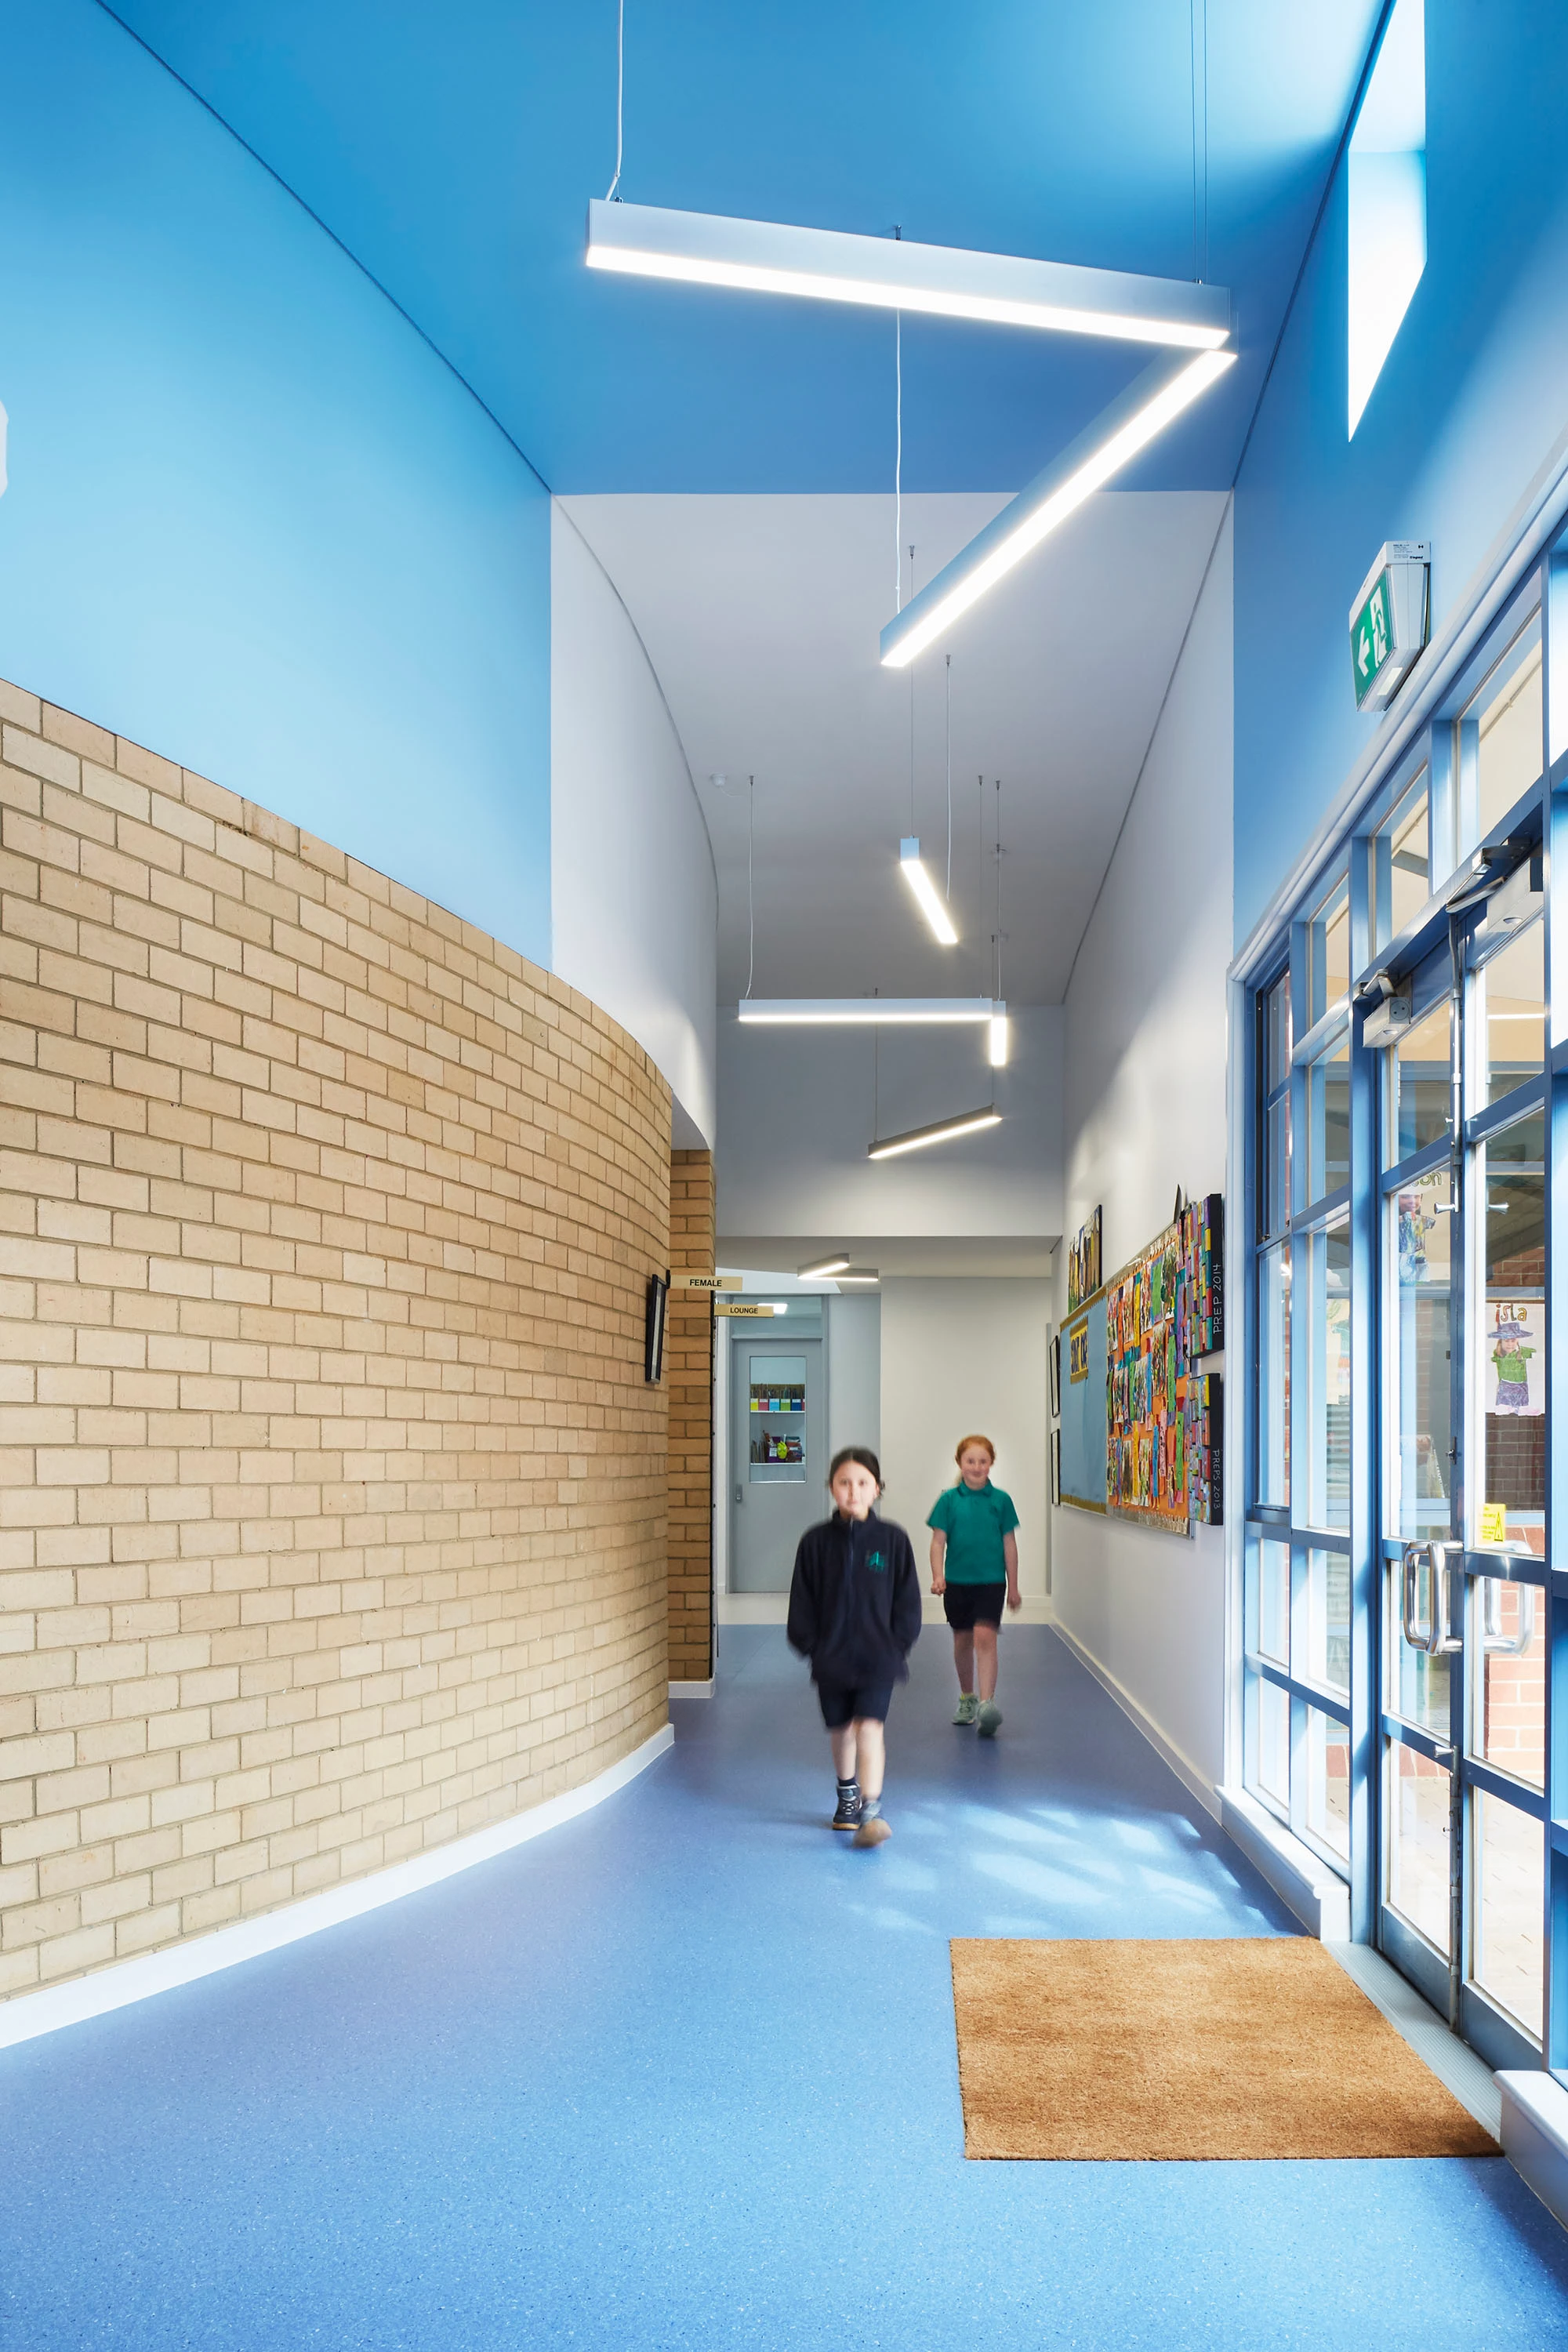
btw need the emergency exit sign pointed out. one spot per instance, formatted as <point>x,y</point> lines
<point>1390,621</point>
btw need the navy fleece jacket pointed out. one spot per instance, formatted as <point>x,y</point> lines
<point>855,1602</point>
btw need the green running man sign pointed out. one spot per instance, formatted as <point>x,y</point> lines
<point>1371,636</point>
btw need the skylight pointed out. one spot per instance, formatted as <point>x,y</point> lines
<point>1387,188</point>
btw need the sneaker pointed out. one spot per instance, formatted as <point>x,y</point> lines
<point>847,1816</point>
<point>989,1719</point>
<point>968,1708</point>
<point>874,1832</point>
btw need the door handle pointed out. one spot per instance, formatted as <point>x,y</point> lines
<point>1417,1637</point>
<point>1443,1639</point>
<point>739,1494</point>
<point>1495,1643</point>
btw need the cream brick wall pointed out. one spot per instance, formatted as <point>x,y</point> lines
<point>332,1509</point>
<point>689,1377</point>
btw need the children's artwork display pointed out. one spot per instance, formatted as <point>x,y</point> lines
<point>1084,1264</point>
<point>1163,1459</point>
<point>1200,1305</point>
<point>1516,1356</point>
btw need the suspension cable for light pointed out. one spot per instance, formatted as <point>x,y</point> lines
<point>830,265</point>
<point>996,1036</point>
<point>1154,400</point>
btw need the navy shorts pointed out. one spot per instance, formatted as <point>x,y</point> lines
<point>842,1705</point>
<point>968,1605</point>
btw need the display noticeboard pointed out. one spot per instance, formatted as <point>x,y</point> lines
<point>1082,1449</point>
<point>1165,1311</point>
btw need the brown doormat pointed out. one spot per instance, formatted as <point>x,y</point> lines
<point>1193,2050</point>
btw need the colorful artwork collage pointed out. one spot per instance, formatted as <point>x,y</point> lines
<point>1164,1312</point>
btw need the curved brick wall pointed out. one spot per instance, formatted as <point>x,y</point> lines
<point>332,1511</point>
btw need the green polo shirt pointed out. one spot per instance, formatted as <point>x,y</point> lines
<point>975,1520</point>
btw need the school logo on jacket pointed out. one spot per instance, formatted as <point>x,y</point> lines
<point>875,1560</point>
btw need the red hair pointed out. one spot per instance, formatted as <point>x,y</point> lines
<point>962,1448</point>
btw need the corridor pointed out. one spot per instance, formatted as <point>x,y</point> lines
<point>681,2074</point>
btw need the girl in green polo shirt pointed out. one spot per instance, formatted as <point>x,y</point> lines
<point>974,1567</point>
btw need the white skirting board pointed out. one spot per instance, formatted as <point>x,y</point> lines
<point>1317,1895</point>
<point>1186,1771</point>
<point>28,2014</point>
<point>692,1690</point>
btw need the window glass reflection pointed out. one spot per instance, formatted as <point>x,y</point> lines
<point>1506,1934</point>
<point>1402,868</point>
<point>1421,1217</point>
<point>1326,1759</point>
<point>1501,729</point>
<point>1511,1361</point>
<point>1511,1003</point>
<point>1274,1374</point>
<point>1418,1087</point>
<point>1328,1498</point>
<point>1416,1847</point>
<point>1329,1121</point>
<point>1329,1619</point>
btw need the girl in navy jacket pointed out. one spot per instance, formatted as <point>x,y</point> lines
<point>855,1611</point>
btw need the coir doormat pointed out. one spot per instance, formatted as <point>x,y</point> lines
<point>1195,2050</point>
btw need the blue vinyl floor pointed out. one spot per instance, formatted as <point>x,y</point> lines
<point>681,2074</point>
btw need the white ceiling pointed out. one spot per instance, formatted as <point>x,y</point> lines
<point>761,616</point>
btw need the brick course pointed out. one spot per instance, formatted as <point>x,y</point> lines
<point>689,1376</point>
<point>333,1501</point>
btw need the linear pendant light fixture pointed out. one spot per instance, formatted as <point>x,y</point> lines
<point>948,281</point>
<point>1154,400</point>
<point>927,897</point>
<point>818,1269</point>
<point>865,1011</point>
<point>941,1131</point>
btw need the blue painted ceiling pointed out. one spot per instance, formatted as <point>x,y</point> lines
<point>452,145</point>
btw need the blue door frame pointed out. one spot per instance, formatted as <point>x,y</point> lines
<point>1357,1210</point>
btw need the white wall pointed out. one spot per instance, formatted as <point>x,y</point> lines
<point>1146,1111</point>
<point>634,904</point>
<point>798,1113</point>
<point>854,1332</point>
<point>960,1355</point>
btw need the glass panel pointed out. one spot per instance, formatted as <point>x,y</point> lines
<point>1402,868</point>
<point>1329,1121</point>
<point>1422,1229</point>
<point>1511,1003</point>
<point>1328,1498</point>
<point>1276,1187</point>
<point>776,1399</point>
<point>1417,1812</point>
<point>1506,1939</point>
<point>1512,1339</point>
<point>1276,1034</point>
<point>1327,1758</point>
<point>1274,1601</point>
<point>1418,1090</point>
<point>1329,952</point>
<point>1510,1631</point>
<point>1506,719</point>
<point>1274,1375</point>
<point>1329,1619</point>
<point>1272,1739</point>
<point>1418,1684</point>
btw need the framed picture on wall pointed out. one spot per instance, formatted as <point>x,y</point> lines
<point>1056,1465</point>
<point>1055,1376</point>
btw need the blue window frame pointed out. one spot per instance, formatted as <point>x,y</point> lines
<point>1406,1172</point>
